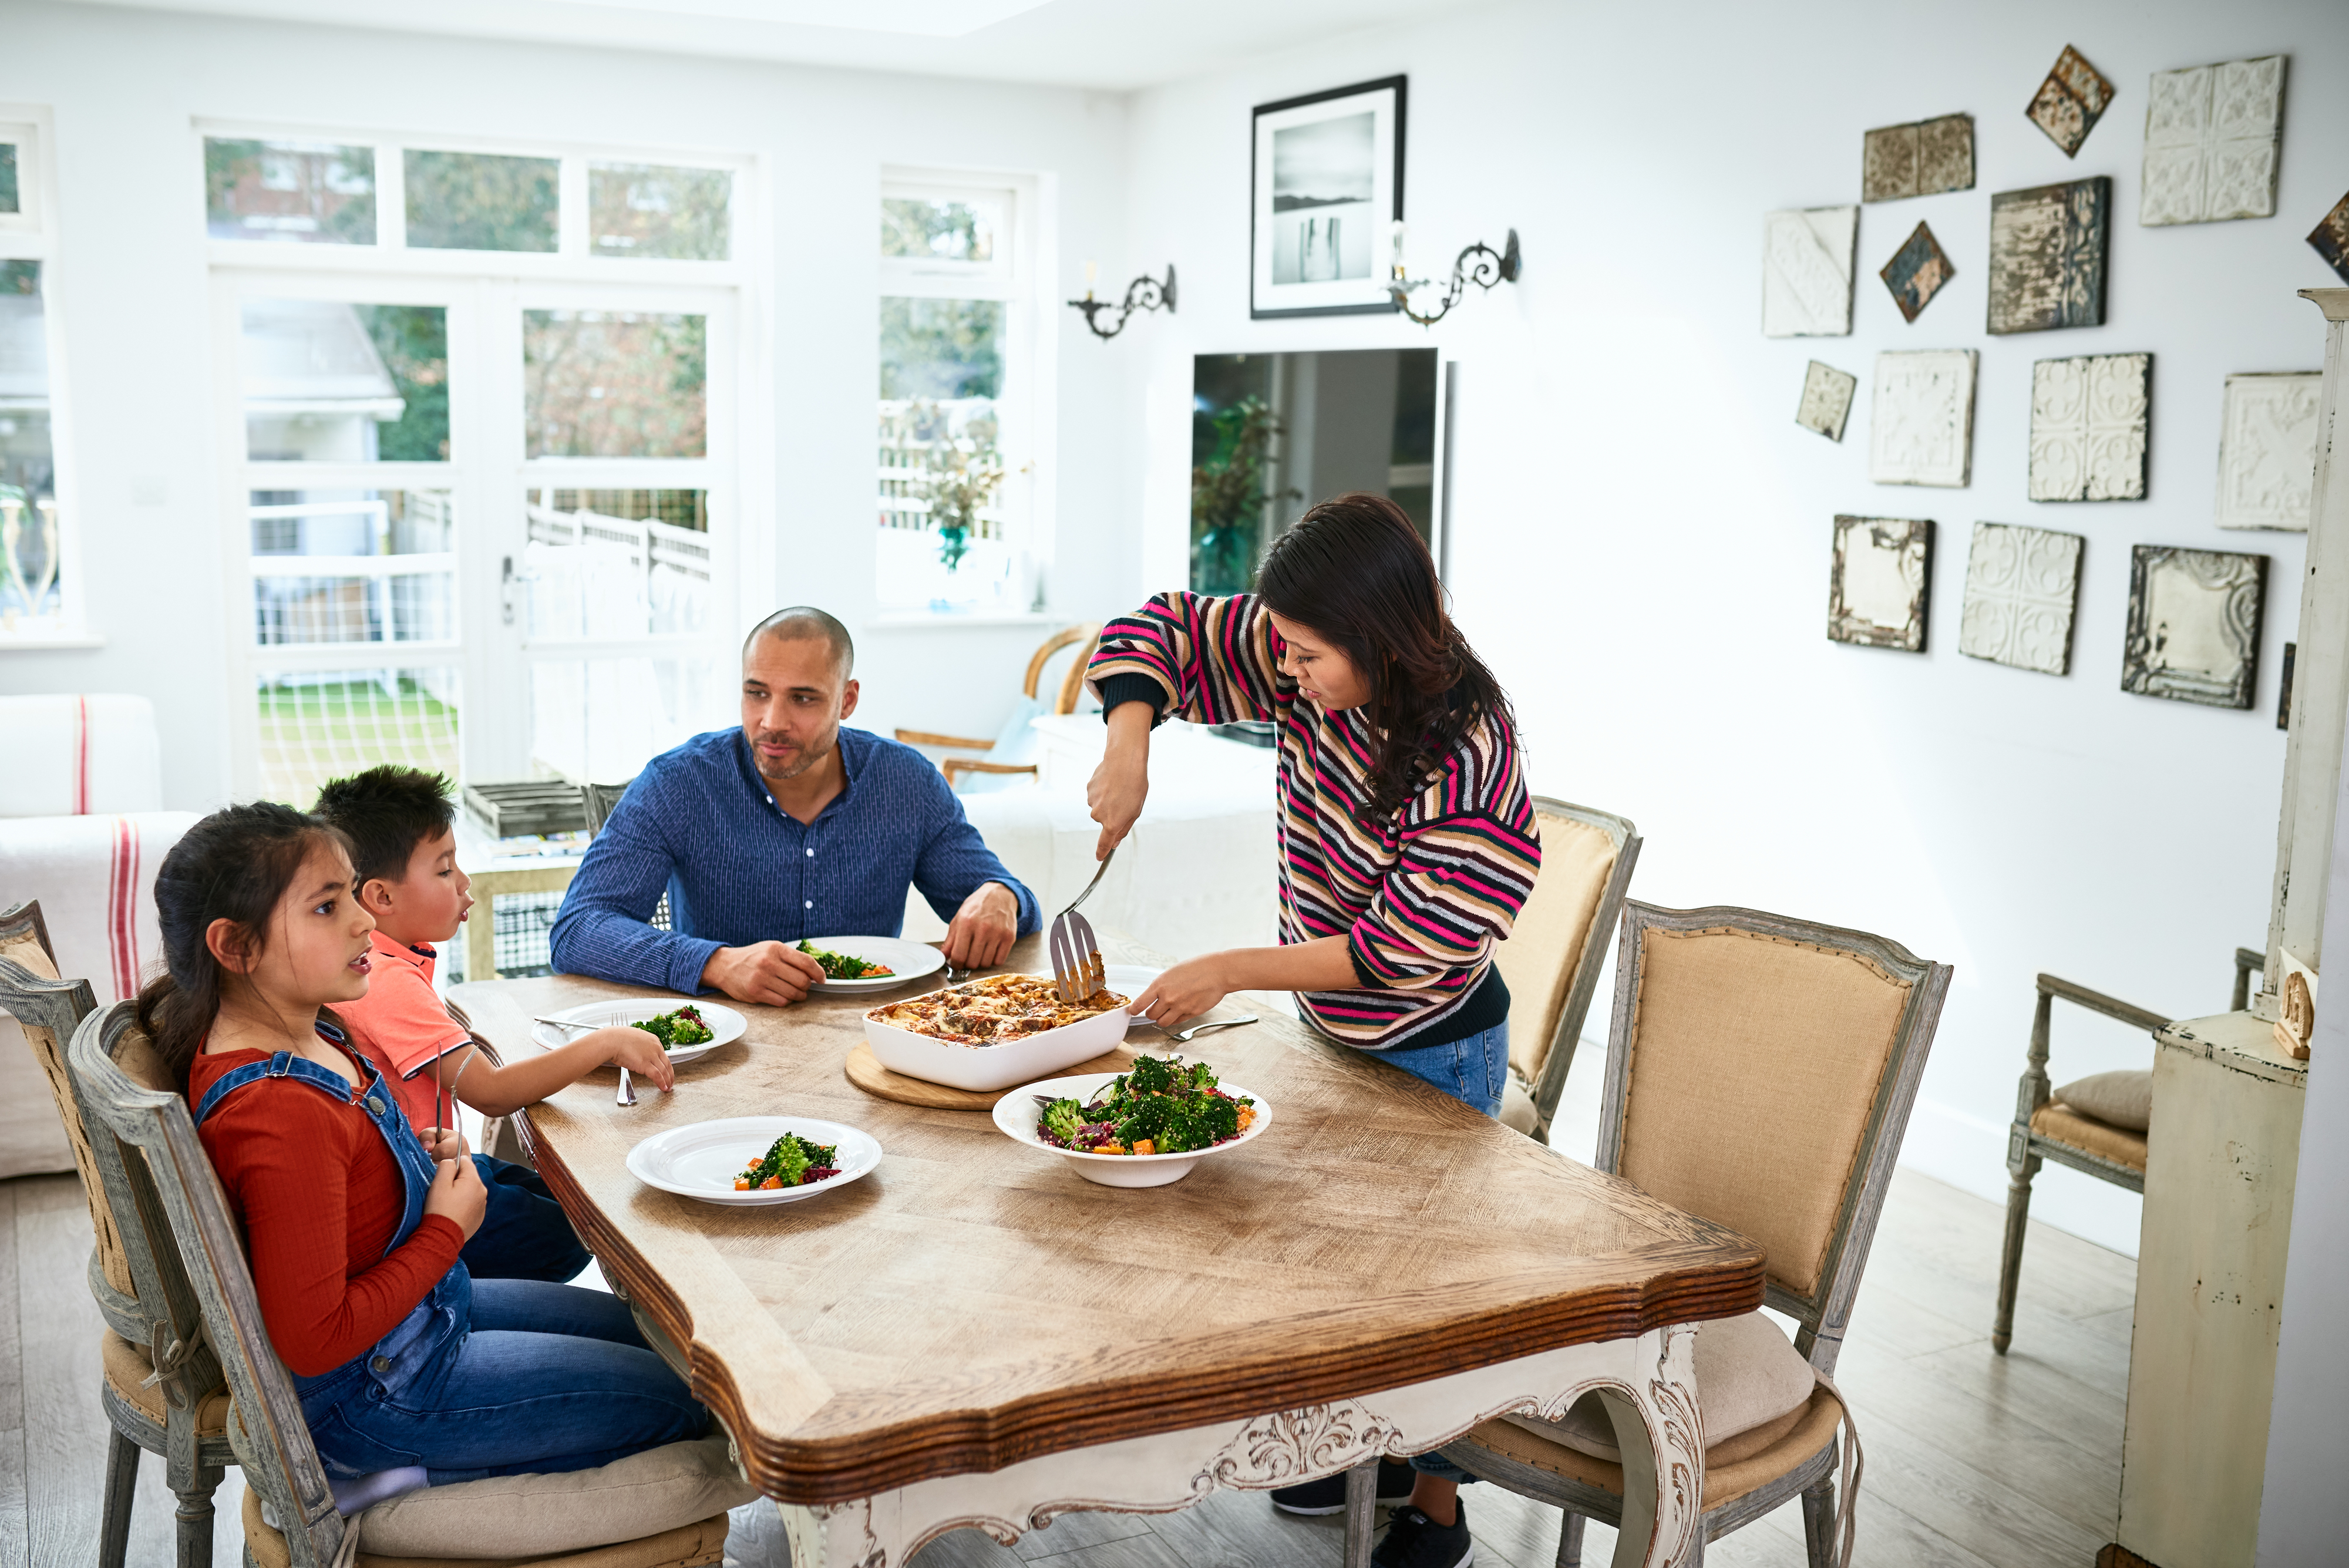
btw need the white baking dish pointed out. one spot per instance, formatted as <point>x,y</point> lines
<point>985,1068</point>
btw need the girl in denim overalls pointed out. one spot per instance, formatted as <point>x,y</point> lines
<point>352,1224</point>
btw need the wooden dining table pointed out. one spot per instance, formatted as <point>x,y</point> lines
<point>973,1335</point>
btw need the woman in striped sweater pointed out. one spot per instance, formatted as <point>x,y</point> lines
<point>1407,842</point>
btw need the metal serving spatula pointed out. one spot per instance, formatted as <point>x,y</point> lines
<point>1077,968</point>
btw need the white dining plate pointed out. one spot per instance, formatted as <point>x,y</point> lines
<point>910,960</point>
<point>726,1025</point>
<point>702,1160</point>
<point>1016,1113</point>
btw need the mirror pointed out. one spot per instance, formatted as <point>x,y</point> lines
<point>1273,433</point>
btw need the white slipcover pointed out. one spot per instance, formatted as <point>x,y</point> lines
<point>80,753</point>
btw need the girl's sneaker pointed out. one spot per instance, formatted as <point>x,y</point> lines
<point>1328,1495</point>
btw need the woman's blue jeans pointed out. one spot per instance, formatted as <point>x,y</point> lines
<point>549,1377</point>
<point>1473,1071</point>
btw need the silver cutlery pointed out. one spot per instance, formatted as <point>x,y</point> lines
<point>566,1022</point>
<point>1184,1036</point>
<point>628,1096</point>
<point>1077,968</point>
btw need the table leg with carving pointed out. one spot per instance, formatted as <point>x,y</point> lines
<point>1647,1383</point>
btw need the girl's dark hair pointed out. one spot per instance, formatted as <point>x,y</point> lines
<point>1356,571</point>
<point>235,864</point>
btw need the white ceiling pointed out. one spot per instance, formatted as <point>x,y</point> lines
<point>1109,44</point>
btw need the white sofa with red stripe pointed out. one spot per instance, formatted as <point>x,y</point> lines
<point>82,830</point>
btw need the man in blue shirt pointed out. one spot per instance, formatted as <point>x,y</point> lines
<point>787,827</point>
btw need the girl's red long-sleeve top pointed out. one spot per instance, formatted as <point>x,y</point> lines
<point>320,1197</point>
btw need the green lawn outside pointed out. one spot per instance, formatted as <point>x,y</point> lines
<point>310,734</point>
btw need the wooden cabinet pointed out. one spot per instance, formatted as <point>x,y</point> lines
<point>2210,1286</point>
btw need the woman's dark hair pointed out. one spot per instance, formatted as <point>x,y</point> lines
<point>1356,571</point>
<point>234,866</point>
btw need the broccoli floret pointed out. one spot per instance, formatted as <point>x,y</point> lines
<point>1062,1119</point>
<point>787,1159</point>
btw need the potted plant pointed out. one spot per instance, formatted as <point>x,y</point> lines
<point>1228,497</point>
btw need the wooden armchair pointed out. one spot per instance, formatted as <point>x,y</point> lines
<point>2105,1137</point>
<point>290,1516</point>
<point>160,1387</point>
<point>1760,1073</point>
<point>1554,951</point>
<point>1012,743</point>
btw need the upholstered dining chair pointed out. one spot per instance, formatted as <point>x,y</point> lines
<point>1760,1072</point>
<point>1555,949</point>
<point>291,1519</point>
<point>180,1411</point>
<point>2098,1126</point>
<point>1013,746</point>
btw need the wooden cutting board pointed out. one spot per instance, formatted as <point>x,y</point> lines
<point>864,1070</point>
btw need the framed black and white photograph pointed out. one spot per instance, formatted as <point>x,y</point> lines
<point>1327,184</point>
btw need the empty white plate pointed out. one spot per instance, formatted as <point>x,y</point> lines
<point>726,1025</point>
<point>702,1160</point>
<point>910,960</point>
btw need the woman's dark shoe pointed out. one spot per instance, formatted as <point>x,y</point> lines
<point>1328,1495</point>
<point>1415,1540</point>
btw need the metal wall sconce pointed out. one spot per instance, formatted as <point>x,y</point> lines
<point>1145,293</point>
<point>1489,267</point>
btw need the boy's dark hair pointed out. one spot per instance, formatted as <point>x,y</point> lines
<point>386,811</point>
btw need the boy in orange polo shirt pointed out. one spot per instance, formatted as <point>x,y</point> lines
<point>400,824</point>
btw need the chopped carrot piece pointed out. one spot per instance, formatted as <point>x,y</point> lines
<point>770,1182</point>
<point>1146,1145</point>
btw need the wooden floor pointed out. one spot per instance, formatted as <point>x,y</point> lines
<point>1972,1458</point>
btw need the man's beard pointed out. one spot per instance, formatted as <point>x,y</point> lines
<point>809,757</point>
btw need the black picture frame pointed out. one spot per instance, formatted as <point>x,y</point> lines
<point>1260,307</point>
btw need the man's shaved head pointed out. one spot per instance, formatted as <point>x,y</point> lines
<point>807,621</point>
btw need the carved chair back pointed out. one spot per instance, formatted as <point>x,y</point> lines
<point>170,1181</point>
<point>48,1010</point>
<point>1760,1073</point>
<point>1558,944</point>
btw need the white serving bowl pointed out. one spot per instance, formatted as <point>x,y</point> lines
<point>1016,1114</point>
<point>985,1068</point>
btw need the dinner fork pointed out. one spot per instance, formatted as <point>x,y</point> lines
<point>1077,968</point>
<point>1182,1036</point>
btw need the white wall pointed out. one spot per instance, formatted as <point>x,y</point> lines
<point>130,285</point>
<point>1642,531</point>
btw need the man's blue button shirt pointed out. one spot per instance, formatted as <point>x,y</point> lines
<point>699,824</point>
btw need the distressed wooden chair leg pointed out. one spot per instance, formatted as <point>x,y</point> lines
<point>1361,1505</point>
<point>1570,1540</point>
<point>195,1517</point>
<point>1818,1522</point>
<point>121,1490</point>
<point>2009,1262</point>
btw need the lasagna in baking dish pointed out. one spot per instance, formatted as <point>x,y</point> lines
<point>989,1012</point>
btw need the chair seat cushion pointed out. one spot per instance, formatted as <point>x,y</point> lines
<point>2060,1122</point>
<point>701,1544</point>
<point>513,1516</point>
<point>2118,1099</point>
<point>126,1363</point>
<point>1747,1375</point>
<point>1725,1478</point>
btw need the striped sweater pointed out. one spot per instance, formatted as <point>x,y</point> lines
<point>1423,900</point>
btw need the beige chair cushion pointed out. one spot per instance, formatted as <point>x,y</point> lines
<point>1518,1113</point>
<point>2116,1099</point>
<point>702,1544</point>
<point>1545,945</point>
<point>2060,1122</point>
<point>64,1117</point>
<point>25,947</point>
<point>1748,1377</point>
<point>32,1142</point>
<point>1755,1063</point>
<point>512,1516</point>
<point>125,1363</point>
<point>1726,1479</point>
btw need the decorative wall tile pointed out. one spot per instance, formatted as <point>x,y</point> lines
<point>1806,269</point>
<point>2211,136</point>
<point>2070,101</point>
<point>1920,160</point>
<point>2193,625</point>
<point>1917,272</point>
<point>2267,450</point>
<point>2088,423</point>
<point>1921,422</point>
<point>1881,582</point>
<point>2331,238</point>
<point>2021,584</point>
<point>1826,400</point>
<point>2047,256</point>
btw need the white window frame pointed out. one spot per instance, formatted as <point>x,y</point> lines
<point>1018,276</point>
<point>475,286</point>
<point>30,233</point>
